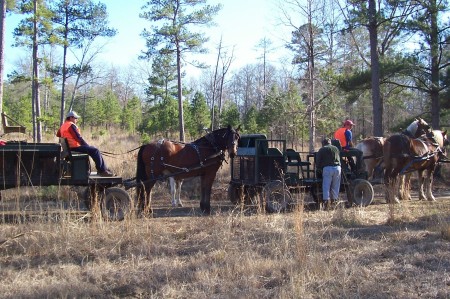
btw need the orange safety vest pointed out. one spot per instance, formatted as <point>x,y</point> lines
<point>340,135</point>
<point>65,133</point>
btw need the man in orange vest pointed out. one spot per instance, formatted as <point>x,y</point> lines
<point>71,132</point>
<point>345,137</point>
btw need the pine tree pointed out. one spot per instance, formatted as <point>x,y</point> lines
<point>172,21</point>
<point>32,32</point>
<point>77,24</point>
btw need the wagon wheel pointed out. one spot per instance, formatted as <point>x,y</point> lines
<point>277,197</point>
<point>115,204</point>
<point>360,193</point>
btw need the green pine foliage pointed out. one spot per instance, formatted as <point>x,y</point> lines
<point>23,33</point>
<point>197,116</point>
<point>230,115</point>
<point>250,121</point>
<point>131,116</point>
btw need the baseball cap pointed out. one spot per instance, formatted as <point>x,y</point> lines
<point>349,122</point>
<point>72,114</point>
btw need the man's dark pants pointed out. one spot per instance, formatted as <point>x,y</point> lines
<point>94,153</point>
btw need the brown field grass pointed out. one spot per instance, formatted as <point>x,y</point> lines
<point>381,251</point>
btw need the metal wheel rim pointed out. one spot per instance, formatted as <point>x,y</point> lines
<point>116,204</point>
<point>362,193</point>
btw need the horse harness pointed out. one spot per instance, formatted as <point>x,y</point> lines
<point>425,157</point>
<point>202,162</point>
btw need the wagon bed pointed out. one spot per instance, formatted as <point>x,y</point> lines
<point>264,171</point>
<point>25,164</point>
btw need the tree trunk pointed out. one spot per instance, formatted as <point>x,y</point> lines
<point>311,75</point>
<point>2,48</point>
<point>180,95</point>
<point>213,116</point>
<point>434,47</point>
<point>64,72</point>
<point>377,102</point>
<point>35,81</point>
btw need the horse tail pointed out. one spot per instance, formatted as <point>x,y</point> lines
<point>141,175</point>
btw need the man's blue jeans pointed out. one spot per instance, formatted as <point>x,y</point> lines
<point>94,153</point>
<point>331,181</point>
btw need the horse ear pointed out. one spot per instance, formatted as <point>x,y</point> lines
<point>238,128</point>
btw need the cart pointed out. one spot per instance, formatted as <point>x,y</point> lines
<point>264,172</point>
<point>45,164</point>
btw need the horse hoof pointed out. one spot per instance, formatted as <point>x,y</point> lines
<point>180,205</point>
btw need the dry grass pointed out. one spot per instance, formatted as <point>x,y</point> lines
<point>343,253</point>
<point>340,253</point>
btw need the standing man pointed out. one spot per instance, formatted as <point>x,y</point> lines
<point>71,132</point>
<point>345,137</point>
<point>329,161</point>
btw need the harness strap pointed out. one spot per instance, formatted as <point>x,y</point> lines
<point>186,169</point>
<point>164,177</point>
<point>195,147</point>
<point>417,159</point>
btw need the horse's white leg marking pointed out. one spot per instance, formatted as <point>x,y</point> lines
<point>408,186</point>
<point>178,190</point>
<point>401,187</point>
<point>429,186</point>
<point>175,192</point>
<point>421,183</point>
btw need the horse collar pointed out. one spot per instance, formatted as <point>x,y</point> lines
<point>197,150</point>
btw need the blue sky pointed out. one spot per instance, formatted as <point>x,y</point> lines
<point>241,23</point>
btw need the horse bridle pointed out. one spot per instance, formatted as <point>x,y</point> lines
<point>212,140</point>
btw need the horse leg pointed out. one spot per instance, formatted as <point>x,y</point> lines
<point>429,185</point>
<point>144,196</point>
<point>205,196</point>
<point>408,186</point>
<point>405,187</point>
<point>401,187</point>
<point>391,184</point>
<point>178,184</point>
<point>175,191</point>
<point>387,184</point>
<point>421,181</point>
<point>369,167</point>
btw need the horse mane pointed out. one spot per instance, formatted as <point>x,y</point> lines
<point>438,136</point>
<point>210,137</point>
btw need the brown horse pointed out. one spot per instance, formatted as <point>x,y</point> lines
<point>372,148</point>
<point>403,155</point>
<point>203,157</point>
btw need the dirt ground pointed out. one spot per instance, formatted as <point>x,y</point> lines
<point>29,203</point>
